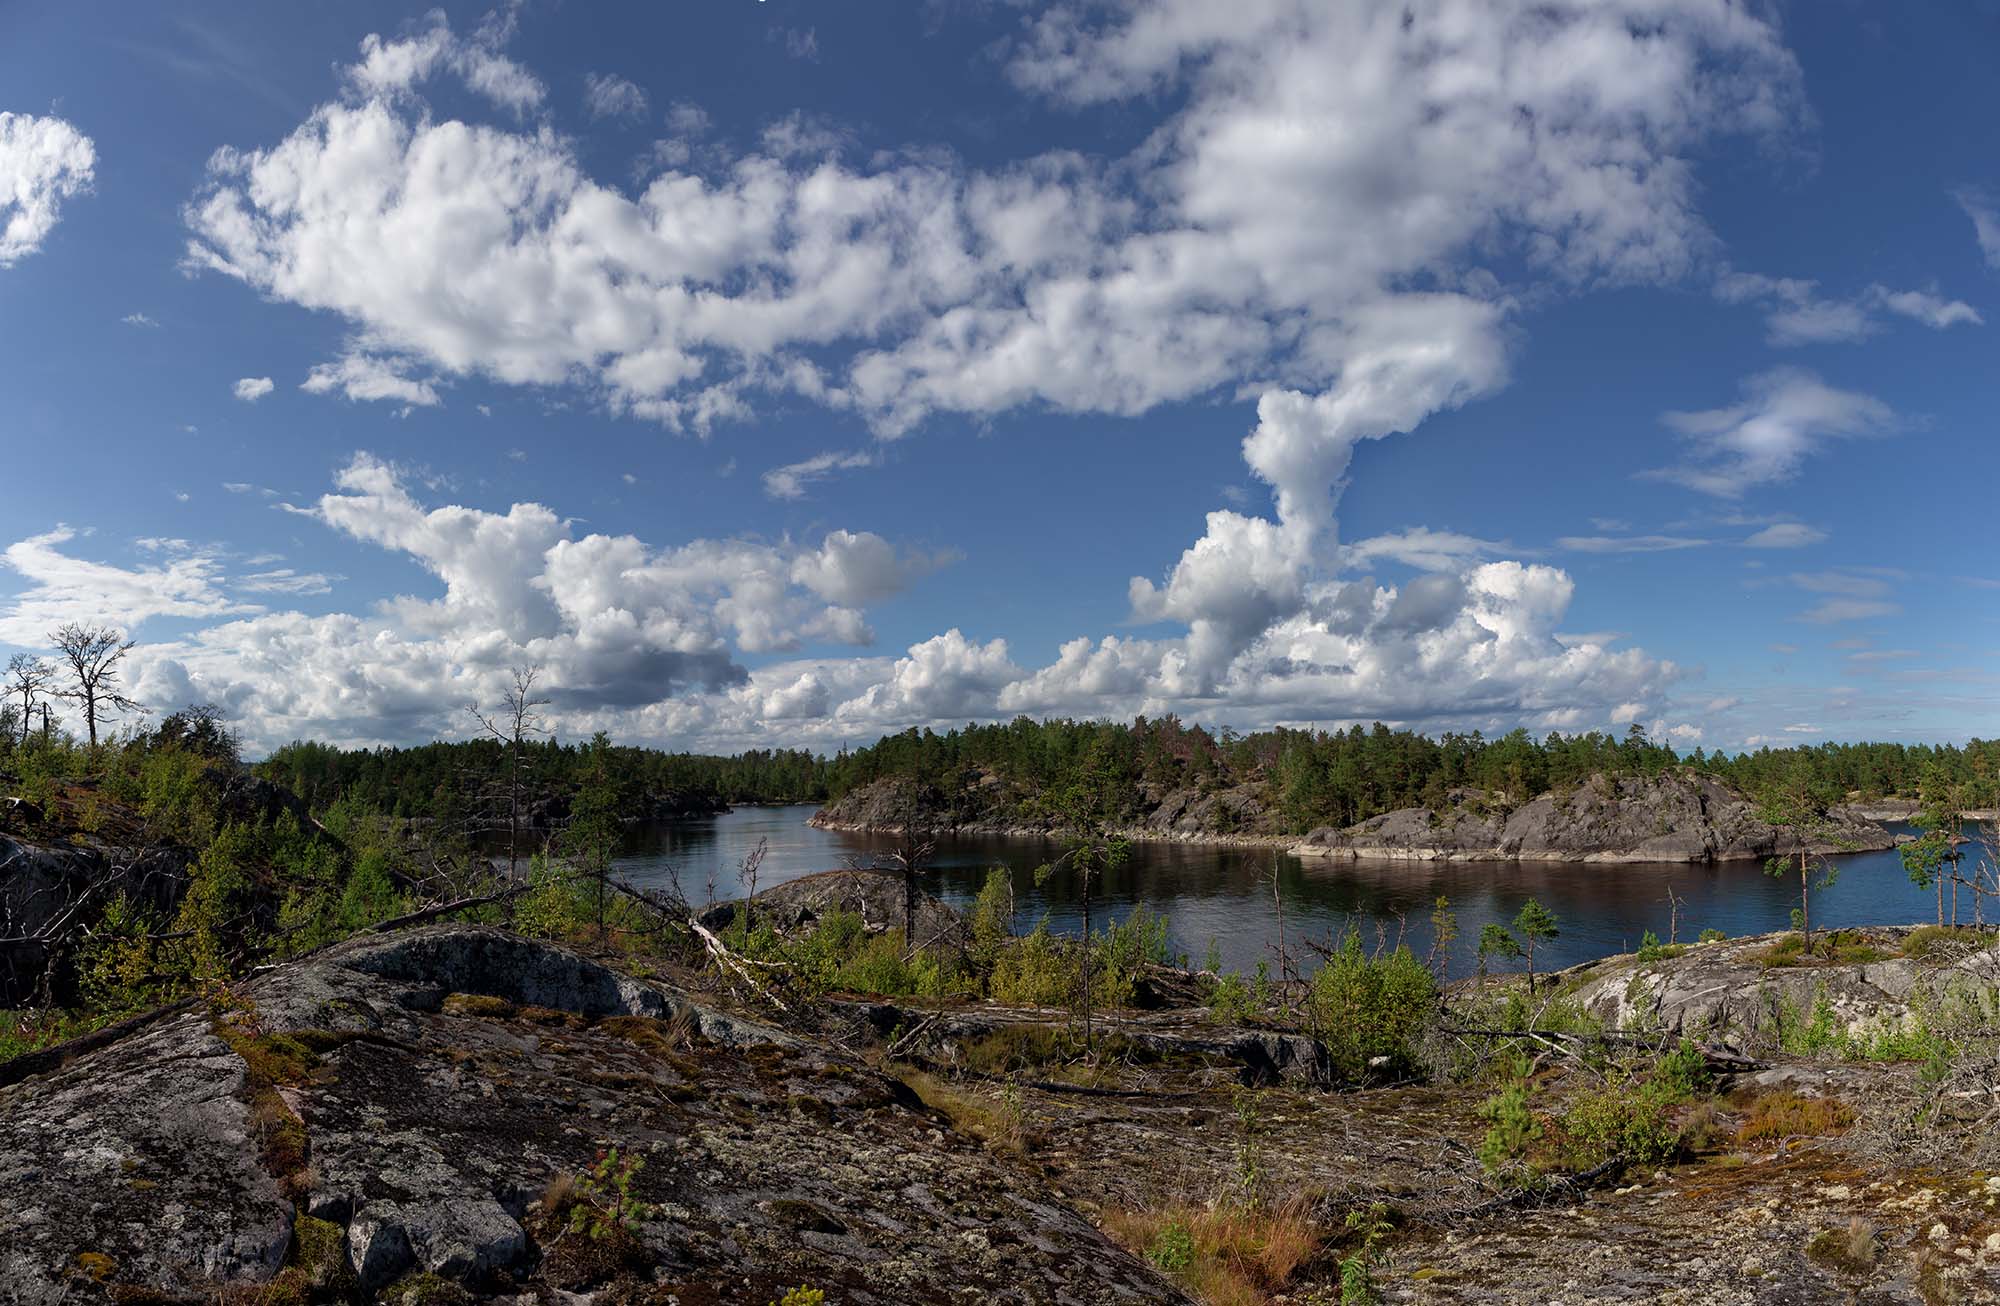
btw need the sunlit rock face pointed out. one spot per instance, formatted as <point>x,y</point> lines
<point>1676,817</point>
<point>440,1080</point>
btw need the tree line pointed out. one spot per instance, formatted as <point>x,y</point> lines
<point>1338,777</point>
<point>417,781</point>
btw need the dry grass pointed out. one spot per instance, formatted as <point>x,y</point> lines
<point>1785,1114</point>
<point>1851,1250</point>
<point>1227,1254</point>
<point>993,1120</point>
<point>478,1004</point>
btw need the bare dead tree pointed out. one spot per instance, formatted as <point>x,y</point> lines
<point>513,724</point>
<point>93,654</point>
<point>1286,972</point>
<point>746,872</point>
<point>916,844</point>
<point>28,680</point>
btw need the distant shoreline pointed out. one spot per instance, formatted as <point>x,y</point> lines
<point>1905,809</point>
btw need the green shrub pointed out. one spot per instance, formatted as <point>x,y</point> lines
<point>1682,1074</point>
<point>992,917</point>
<point>1370,1012</point>
<point>556,906</point>
<point>1927,941</point>
<point>1713,935</point>
<point>1172,1249</point>
<point>369,895</point>
<point>602,1201</point>
<point>1511,1127</point>
<point>1616,1122</point>
<point>1036,971</point>
<point>1232,1002</point>
<point>1651,949</point>
<point>1121,953</point>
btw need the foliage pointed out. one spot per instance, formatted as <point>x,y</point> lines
<point>1803,805</point>
<point>1682,1073</point>
<point>1229,1252</point>
<point>1371,1225</point>
<point>1232,1002</point>
<point>1313,778</point>
<point>411,782</point>
<point>1495,941</point>
<point>992,921</point>
<point>1943,941</point>
<point>1038,971</point>
<point>1651,949</point>
<point>22,1032</point>
<point>602,1197</point>
<point>1511,1127</point>
<point>1615,1121</point>
<point>1532,924</point>
<point>1786,1114</point>
<point>1371,1012</point>
<point>1172,1249</point>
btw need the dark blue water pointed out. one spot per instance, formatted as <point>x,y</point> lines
<point>1224,894</point>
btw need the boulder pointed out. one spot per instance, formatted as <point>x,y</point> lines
<point>795,907</point>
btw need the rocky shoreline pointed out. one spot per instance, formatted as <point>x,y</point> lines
<point>1678,817</point>
<point>1134,834</point>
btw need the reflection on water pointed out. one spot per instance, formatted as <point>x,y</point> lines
<point>1224,894</point>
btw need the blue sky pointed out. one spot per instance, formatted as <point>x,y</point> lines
<point>786,373</point>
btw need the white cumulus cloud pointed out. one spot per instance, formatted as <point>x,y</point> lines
<point>43,162</point>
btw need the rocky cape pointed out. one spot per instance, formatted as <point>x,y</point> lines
<point>403,1118</point>
<point>1680,816</point>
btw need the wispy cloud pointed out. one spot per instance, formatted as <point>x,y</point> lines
<point>1797,314</point>
<point>791,480</point>
<point>1980,206</point>
<point>1785,416</point>
<point>1628,543</point>
<point>1786,535</point>
<point>607,95</point>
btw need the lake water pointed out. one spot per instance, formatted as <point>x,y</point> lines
<point>1224,894</point>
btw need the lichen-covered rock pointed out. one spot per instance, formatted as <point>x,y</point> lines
<point>146,1156</point>
<point>439,1128</point>
<point>1679,816</point>
<point>1743,990</point>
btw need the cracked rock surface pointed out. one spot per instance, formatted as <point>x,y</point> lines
<point>455,1073</point>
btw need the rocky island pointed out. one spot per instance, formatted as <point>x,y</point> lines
<point>1674,816</point>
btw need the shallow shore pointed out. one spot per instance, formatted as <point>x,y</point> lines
<point>1283,842</point>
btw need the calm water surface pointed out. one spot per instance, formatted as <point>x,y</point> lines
<point>1224,894</point>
